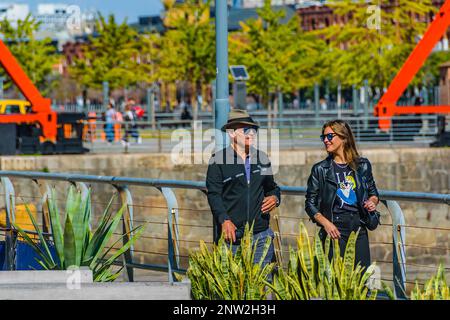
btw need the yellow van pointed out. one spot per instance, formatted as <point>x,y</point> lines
<point>14,107</point>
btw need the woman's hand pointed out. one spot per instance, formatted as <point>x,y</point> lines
<point>329,227</point>
<point>332,231</point>
<point>371,204</point>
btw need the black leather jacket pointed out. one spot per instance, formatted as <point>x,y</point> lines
<point>322,187</point>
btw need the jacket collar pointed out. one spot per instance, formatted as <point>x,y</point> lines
<point>330,174</point>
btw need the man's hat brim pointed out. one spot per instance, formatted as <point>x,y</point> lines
<point>234,124</point>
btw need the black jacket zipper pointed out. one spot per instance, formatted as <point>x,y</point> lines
<point>334,199</point>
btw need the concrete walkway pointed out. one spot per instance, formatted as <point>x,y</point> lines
<point>64,285</point>
<point>97,291</point>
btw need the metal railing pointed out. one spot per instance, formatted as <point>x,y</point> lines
<point>166,188</point>
<point>293,132</point>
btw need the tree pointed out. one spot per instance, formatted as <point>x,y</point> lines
<point>188,47</point>
<point>279,57</point>
<point>36,57</point>
<point>112,56</point>
<point>375,41</point>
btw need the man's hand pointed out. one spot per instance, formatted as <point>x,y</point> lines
<point>269,203</point>
<point>229,230</point>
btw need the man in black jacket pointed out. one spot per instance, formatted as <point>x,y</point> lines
<point>240,184</point>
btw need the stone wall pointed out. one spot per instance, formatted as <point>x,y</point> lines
<point>419,170</point>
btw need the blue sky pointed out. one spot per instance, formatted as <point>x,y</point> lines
<point>122,9</point>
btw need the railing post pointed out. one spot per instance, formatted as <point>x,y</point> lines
<point>339,98</point>
<point>366,104</point>
<point>127,226</point>
<point>45,191</point>
<point>399,251</point>
<point>316,103</point>
<point>278,248</point>
<point>355,100</point>
<point>173,259</point>
<point>159,139</point>
<point>10,239</point>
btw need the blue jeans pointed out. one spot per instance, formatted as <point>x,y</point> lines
<point>109,132</point>
<point>261,238</point>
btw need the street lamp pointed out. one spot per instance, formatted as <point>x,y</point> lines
<point>222,106</point>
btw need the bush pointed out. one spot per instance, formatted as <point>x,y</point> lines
<point>311,275</point>
<point>76,244</point>
<point>221,275</point>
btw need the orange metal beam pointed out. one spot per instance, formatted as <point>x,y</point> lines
<point>47,122</point>
<point>40,106</point>
<point>21,80</point>
<point>387,107</point>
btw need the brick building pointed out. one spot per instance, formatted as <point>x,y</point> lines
<point>318,16</point>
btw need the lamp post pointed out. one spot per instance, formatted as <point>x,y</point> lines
<point>222,106</point>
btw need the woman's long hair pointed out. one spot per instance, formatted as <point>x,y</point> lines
<point>343,130</point>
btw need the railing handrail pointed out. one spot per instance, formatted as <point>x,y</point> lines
<point>200,185</point>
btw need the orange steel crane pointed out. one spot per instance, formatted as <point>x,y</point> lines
<point>42,129</point>
<point>386,107</point>
<point>40,106</point>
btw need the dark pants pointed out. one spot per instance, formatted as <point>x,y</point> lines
<point>346,223</point>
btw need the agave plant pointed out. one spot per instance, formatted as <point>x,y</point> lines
<point>311,275</point>
<point>220,274</point>
<point>75,243</point>
<point>434,289</point>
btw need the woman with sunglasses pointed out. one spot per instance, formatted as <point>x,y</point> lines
<point>341,191</point>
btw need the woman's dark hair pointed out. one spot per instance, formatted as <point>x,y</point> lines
<point>343,130</point>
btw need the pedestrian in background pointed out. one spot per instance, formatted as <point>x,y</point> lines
<point>131,128</point>
<point>110,118</point>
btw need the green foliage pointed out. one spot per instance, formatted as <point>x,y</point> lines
<point>385,43</point>
<point>220,274</point>
<point>75,242</point>
<point>112,56</point>
<point>388,291</point>
<point>279,56</point>
<point>188,49</point>
<point>311,275</point>
<point>36,57</point>
<point>434,289</point>
<point>430,70</point>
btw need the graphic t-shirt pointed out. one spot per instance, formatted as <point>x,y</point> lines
<point>346,192</point>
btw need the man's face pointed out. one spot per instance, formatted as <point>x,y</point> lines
<point>245,136</point>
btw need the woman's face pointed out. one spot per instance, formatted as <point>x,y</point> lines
<point>335,143</point>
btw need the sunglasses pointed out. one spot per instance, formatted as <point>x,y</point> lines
<point>329,136</point>
<point>249,130</point>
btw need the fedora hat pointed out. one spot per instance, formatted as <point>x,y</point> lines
<point>238,117</point>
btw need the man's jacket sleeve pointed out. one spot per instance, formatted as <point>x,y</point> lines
<point>214,185</point>
<point>271,188</point>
